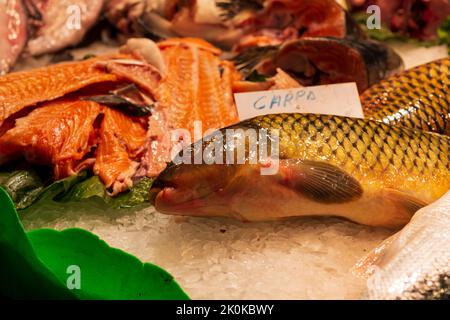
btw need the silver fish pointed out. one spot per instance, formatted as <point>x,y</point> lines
<point>414,264</point>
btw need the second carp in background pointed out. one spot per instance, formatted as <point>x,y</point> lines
<point>416,98</point>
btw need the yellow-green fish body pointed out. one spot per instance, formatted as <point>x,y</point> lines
<point>417,98</point>
<point>362,170</point>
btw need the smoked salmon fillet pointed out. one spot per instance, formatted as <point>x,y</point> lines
<point>27,88</point>
<point>197,86</point>
<point>60,133</point>
<point>121,138</point>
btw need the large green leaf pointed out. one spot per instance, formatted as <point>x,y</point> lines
<point>22,274</point>
<point>41,263</point>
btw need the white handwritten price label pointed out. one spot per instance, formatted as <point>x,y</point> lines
<point>336,99</point>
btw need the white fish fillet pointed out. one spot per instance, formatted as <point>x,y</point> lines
<point>414,263</point>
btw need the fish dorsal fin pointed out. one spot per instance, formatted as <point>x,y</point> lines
<point>325,183</point>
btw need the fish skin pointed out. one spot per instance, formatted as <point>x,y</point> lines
<point>27,88</point>
<point>277,21</point>
<point>13,32</point>
<point>417,98</point>
<point>58,133</point>
<point>375,174</point>
<point>413,264</point>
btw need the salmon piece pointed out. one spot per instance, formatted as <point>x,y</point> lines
<point>121,140</point>
<point>197,86</point>
<point>27,88</point>
<point>60,133</point>
<point>138,72</point>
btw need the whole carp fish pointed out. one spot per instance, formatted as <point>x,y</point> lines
<point>417,98</point>
<point>362,170</point>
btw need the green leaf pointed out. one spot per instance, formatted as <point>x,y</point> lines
<point>88,56</point>
<point>36,265</point>
<point>93,187</point>
<point>24,186</point>
<point>30,195</point>
<point>136,196</point>
<point>22,274</point>
<point>59,187</point>
<point>86,189</point>
<point>255,76</point>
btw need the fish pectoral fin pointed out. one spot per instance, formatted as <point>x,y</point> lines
<point>405,201</point>
<point>324,183</point>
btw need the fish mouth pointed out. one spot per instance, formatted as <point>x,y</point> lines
<point>190,189</point>
<point>156,194</point>
<point>181,190</point>
<point>158,187</point>
<point>169,197</point>
<point>153,194</point>
<point>170,200</point>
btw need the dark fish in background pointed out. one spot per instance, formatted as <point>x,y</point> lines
<point>13,32</point>
<point>281,20</point>
<point>233,23</point>
<point>314,61</point>
<point>362,170</point>
<point>417,98</point>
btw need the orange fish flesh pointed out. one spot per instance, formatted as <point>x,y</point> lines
<point>197,86</point>
<point>22,89</point>
<point>121,138</point>
<point>59,133</point>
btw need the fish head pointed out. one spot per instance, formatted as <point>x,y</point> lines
<point>191,189</point>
